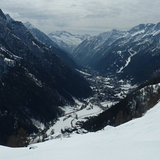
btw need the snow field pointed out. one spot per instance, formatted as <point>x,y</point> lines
<point>73,115</point>
<point>136,140</point>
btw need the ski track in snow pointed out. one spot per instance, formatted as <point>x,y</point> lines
<point>128,60</point>
<point>135,140</point>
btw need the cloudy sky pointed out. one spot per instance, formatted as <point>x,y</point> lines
<point>83,16</point>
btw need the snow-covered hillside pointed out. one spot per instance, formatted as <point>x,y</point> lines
<point>66,40</point>
<point>136,140</point>
<point>132,54</point>
<point>91,49</point>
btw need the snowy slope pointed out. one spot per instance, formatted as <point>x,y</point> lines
<point>132,54</point>
<point>66,40</point>
<point>91,49</point>
<point>136,140</point>
<point>74,115</point>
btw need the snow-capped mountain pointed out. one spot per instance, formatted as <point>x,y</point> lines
<point>136,140</point>
<point>132,54</point>
<point>89,51</point>
<point>39,35</point>
<point>66,40</point>
<point>34,81</point>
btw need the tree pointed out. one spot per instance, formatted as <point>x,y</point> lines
<point>19,140</point>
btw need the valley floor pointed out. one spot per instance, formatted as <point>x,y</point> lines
<point>136,140</point>
<point>107,90</point>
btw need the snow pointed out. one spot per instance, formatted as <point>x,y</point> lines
<point>108,104</point>
<point>38,124</point>
<point>136,140</point>
<point>9,62</point>
<point>67,37</point>
<point>84,73</point>
<point>128,86</point>
<point>36,45</point>
<point>73,115</point>
<point>138,32</point>
<point>156,33</point>
<point>156,87</point>
<point>37,82</point>
<point>128,60</point>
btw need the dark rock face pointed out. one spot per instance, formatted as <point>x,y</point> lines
<point>33,82</point>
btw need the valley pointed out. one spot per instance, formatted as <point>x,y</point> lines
<point>79,79</point>
<point>135,140</point>
<point>108,91</point>
<point>61,84</point>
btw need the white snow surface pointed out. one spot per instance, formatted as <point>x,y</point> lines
<point>84,73</point>
<point>72,115</point>
<point>128,60</point>
<point>68,38</point>
<point>136,140</point>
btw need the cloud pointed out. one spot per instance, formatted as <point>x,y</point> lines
<point>85,16</point>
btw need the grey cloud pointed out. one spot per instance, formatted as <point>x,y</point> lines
<point>83,15</point>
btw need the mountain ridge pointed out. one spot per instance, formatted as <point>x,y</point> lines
<point>122,52</point>
<point>39,35</point>
<point>66,40</point>
<point>34,82</point>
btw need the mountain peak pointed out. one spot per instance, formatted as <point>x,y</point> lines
<point>60,33</point>
<point>2,14</point>
<point>29,25</point>
<point>66,40</point>
<point>157,26</point>
<point>8,18</point>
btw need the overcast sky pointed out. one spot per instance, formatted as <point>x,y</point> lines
<point>83,16</point>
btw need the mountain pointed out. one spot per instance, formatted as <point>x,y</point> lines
<point>133,106</point>
<point>66,40</point>
<point>136,140</point>
<point>89,51</point>
<point>40,35</point>
<point>132,54</point>
<point>135,55</point>
<point>34,81</point>
<point>43,38</point>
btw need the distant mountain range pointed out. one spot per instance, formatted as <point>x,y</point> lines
<point>132,54</point>
<point>66,40</point>
<point>89,50</point>
<point>43,38</point>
